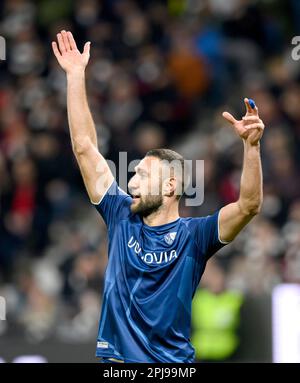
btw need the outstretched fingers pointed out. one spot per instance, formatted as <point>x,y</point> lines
<point>61,43</point>
<point>66,40</point>
<point>67,53</point>
<point>71,41</point>
<point>229,117</point>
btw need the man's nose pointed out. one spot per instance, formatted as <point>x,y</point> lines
<point>132,185</point>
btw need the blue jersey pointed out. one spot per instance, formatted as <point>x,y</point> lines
<point>150,280</point>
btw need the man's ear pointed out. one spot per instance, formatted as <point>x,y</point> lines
<point>170,187</point>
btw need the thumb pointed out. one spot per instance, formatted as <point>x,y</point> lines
<point>86,48</point>
<point>229,117</point>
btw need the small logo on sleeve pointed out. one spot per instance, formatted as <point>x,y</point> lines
<point>169,238</point>
<point>102,344</point>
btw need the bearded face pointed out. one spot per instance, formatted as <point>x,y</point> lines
<point>152,182</point>
<point>146,187</point>
<point>146,205</point>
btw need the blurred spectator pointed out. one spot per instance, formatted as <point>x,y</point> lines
<point>215,317</point>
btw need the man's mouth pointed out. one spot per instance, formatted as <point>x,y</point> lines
<point>135,197</point>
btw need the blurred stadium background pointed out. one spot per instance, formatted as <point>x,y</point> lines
<point>160,74</point>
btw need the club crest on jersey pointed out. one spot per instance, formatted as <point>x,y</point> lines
<point>169,238</point>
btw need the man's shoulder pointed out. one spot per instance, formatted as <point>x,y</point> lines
<point>196,223</point>
<point>191,221</point>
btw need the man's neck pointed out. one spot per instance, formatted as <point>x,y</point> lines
<point>161,217</point>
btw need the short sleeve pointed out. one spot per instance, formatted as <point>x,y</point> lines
<point>114,205</point>
<point>207,234</point>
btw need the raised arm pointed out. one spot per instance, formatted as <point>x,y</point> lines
<point>94,168</point>
<point>234,216</point>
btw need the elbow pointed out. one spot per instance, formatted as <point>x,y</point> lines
<point>254,210</point>
<point>80,145</point>
<point>251,209</point>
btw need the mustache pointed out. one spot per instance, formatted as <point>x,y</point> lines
<point>134,194</point>
<point>150,193</point>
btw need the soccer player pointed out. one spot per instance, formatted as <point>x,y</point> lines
<point>155,257</point>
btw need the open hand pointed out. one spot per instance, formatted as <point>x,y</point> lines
<point>67,53</point>
<point>250,128</point>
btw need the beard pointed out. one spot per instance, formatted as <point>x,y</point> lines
<point>147,205</point>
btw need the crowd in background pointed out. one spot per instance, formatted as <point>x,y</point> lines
<point>160,75</point>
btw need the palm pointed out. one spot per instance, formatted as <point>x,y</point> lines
<point>250,128</point>
<point>67,53</point>
<point>240,127</point>
<point>72,58</point>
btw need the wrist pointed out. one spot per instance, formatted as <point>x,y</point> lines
<point>248,144</point>
<point>76,73</point>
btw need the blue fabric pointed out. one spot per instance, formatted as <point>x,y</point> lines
<point>150,280</point>
<point>107,360</point>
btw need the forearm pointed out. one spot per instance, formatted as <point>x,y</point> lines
<point>81,124</point>
<point>251,193</point>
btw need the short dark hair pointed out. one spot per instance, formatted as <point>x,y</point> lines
<point>170,155</point>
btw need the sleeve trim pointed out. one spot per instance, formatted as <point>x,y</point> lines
<point>223,242</point>
<point>98,203</point>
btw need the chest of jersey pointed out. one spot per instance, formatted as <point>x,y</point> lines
<point>149,248</point>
